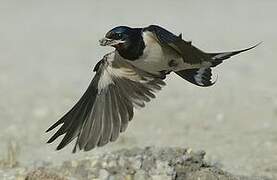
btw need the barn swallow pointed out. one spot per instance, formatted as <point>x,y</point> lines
<point>128,77</point>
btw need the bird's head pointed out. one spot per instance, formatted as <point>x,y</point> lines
<point>128,41</point>
<point>117,37</point>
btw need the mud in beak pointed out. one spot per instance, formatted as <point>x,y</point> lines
<point>110,42</point>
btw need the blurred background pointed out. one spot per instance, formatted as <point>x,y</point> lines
<point>49,48</point>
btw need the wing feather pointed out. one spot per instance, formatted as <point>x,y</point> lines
<point>115,115</point>
<point>189,53</point>
<point>108,104</point>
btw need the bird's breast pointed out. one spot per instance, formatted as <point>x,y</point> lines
<point>153,51</point>
<point>153,58</point>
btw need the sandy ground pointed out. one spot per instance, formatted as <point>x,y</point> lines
<point>48,50</point>
<point>137,164</point>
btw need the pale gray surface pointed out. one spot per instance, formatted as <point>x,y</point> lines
<point>48,50</point>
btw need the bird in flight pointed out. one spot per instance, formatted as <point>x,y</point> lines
<point>127,78</point>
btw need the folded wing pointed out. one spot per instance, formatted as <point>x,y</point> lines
<point>200,76</point>
<point>107,105</point>
<point>189,53</point>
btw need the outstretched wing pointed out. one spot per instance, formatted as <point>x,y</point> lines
<point>107,105</point>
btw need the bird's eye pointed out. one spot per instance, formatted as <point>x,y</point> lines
<point>118,36</point>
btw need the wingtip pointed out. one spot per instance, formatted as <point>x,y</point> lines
<point>50,140</point>
<point>48,130</point>
<point>54,125</point>
<point>65,141</point>
<point>59,147</point>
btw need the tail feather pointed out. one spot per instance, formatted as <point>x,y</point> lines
<point>200,76</point>
<point>217,58</point>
